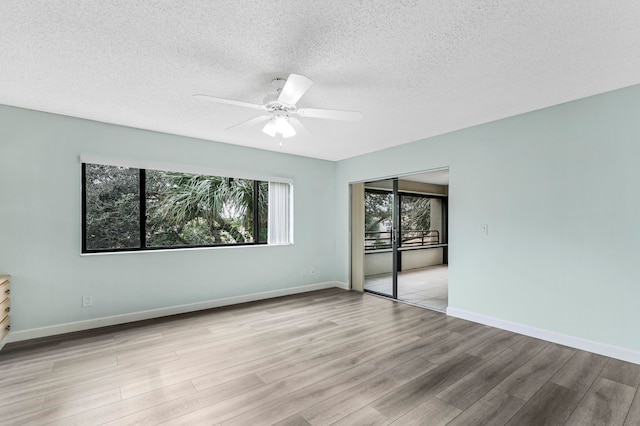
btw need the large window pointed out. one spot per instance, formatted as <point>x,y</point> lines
<point>128,208</point>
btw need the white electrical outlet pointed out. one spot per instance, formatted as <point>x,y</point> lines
<point>303,272</point>
<point>312,271</point>
<point>87,301</point>
<point>484,229</point>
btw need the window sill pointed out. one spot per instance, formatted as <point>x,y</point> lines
<point>247,246</point>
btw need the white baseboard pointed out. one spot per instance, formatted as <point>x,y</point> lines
<point>34,333</point>
<point>550,336</point>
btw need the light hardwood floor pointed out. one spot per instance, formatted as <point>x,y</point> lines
<point>326,357</point>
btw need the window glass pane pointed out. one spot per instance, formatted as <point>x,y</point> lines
<point>190,210</point>
<point>378,220</point>
<point>420,221</point>
<point>112,207</point>
<point>263,211</point>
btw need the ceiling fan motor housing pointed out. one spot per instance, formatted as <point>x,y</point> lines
<point>271,101</point>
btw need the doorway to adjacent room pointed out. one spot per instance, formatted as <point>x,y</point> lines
<point>405,238</point>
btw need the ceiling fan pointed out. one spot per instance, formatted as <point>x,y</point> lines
<point>280,106</point>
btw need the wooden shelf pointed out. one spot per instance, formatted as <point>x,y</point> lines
<point>5,306</point>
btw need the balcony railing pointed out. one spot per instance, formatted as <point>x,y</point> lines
<point>376,240</point>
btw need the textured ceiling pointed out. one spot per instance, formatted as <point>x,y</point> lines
<point>413,68</point>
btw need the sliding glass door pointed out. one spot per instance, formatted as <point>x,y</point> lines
<point>405,241</point>
<point>381,241</point>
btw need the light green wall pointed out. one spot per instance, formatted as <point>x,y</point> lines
<point>560,191</point>
<point>40,217</point>
<point>558,188</point>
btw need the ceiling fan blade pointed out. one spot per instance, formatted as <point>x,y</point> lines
<point>229,101</point>
<point>249,122</point>
<point>294,88</point>
<point>299,127</point>
<point>329,114</point>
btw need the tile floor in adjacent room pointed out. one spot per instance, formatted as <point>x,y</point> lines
<point>426,287</point>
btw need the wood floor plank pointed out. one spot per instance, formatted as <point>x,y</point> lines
<point>168,376</point>
<point>160,413</point>
<point>622,372</point>
<point>433,412</point>
<point>77,404</point>
<point>419,347</point>
<point>123,408</point>
<point>136,360</point>
<point>347,375</point>
<point>367,327</point>
<point>367,358</point>
<point>395,325</point>
<point>580,371</point>
<point>260,397</point>
<point>16,409</point>
<point>295,420</point>
<point>18,376</point>
<point>494,409</point>
<point>528,379</point>
<point>462,326</point>
<point>358,324</point>
<point>469,389</point>
<point>309,315</point>
<point>633,416</point>
<point>277,410</point>
<point>472,338</point>
<point>606,403</point>
<point>81,384</point>
<point>385,339</point>
<point>426,386</point>
<point>85,363</point>
<point>495,344</point>
<point>367,415</point>
<point>87,383</point>
<point>58,352</point>
<point>25,358</point>
<point>342,405</point>
<point>324,357</point>
<point>281,335</point>
<point>551,405</point>
<point>207,380</point>
<point>83,400</point>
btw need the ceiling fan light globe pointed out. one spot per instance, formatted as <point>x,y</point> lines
<point>270,129</point>
<point>284,127</point>
<point>281,124</point>
<point>290,131</point>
